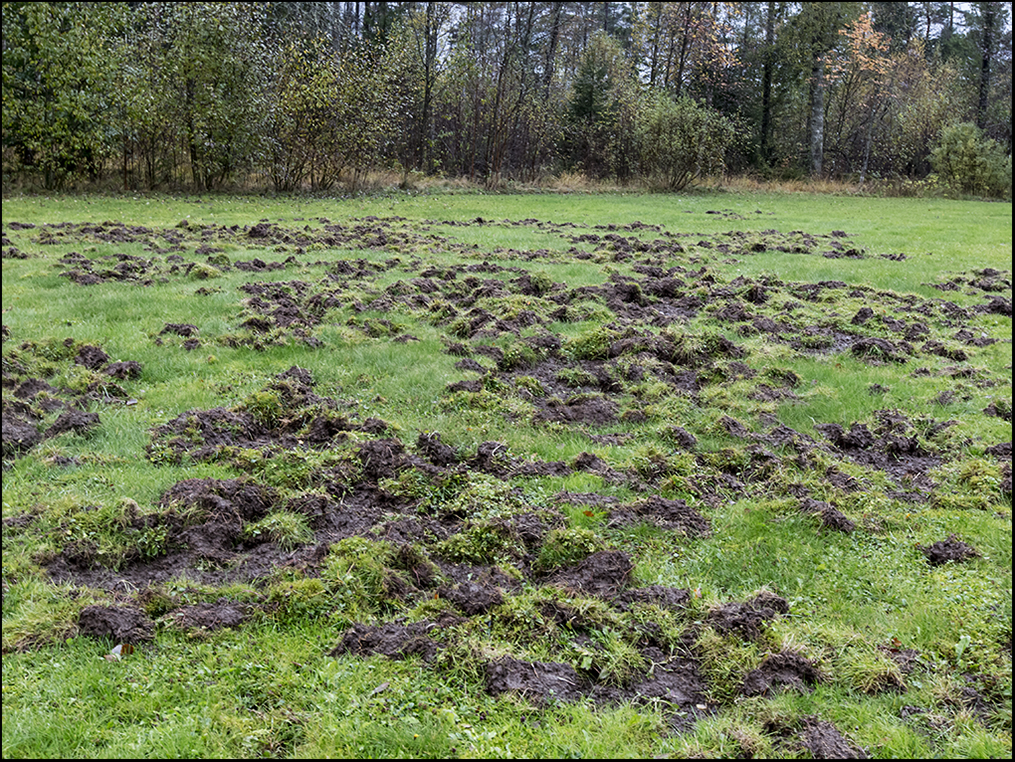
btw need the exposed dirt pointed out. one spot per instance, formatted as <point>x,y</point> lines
<point>602,574</point>
<point>824,741</point>
<point>747,619</point>
<point>121,623</point>
<point>395,641</point>
<point>786,670</point>
<point>638,351</point>
<point>950,549</point>
<point>210,616</point>
<point>818,737</point>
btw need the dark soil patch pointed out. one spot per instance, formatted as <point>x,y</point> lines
<point>665,514</point>
<point>824,741</point>
<point>473,598</point>
<point>19,435</point>
<point>831,518</point>
<point>672,598</point>
<point>950,549</point>
<point>210,616</point>
<point>537,681</point>
<point>603,574</point>
<point>818,737</point>
<point>893,446</point>
<point>73,420</point>
<point>674,680</point>
<point>121,623</point>
<point>91,357</point>
<point>747,619</point>
<point>786,670</point>
<point>394,641</point>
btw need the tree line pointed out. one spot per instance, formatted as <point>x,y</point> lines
<point>307,95</point>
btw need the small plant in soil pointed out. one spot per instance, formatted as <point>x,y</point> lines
<point>566,547</point>
<point>284,528</point>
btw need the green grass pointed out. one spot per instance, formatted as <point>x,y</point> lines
<point>270,687</point>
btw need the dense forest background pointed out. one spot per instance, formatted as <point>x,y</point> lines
<point>313,95</point>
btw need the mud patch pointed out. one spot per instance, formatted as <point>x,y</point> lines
<point>395,641</point>
<point>472,598</point>
<point>786,670</point>
<point>830,517</point>
<point>674,680</point>
<point>950,549</point>
<point>603,574</point>
<point>749,618</point>
<point>824,741</point>
<point>537,681</point>
<point>210,616</point>
<point>121,623</point>
<point>675,515</point>
<point>818,737</point>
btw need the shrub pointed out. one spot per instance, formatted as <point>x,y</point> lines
<point>970,162</point>
<point>681,140</point>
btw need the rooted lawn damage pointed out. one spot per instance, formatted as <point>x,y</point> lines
<point>544,582</point>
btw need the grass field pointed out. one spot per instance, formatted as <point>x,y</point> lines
<point>485,475</point>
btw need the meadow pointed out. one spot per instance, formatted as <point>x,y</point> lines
<point>459,474</point>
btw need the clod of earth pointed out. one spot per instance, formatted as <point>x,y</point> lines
<point>950,549</point>
<point>122,624</point>
<point>786,670</point>
<point>538,681</point>
<point>392,640</point>
<point>747,619</point>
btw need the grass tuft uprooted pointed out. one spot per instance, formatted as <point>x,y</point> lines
<point>465,475</point>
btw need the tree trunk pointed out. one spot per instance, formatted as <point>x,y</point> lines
<point>766,83</point>
<point>986,46</point>
<point>551,50</point>
<point>685,39</point>
<point>817,120</point>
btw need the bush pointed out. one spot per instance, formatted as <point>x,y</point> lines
<point>681,140</point>
<point>970,162</point>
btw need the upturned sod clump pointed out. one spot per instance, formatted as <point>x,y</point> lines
<point>616,476</point>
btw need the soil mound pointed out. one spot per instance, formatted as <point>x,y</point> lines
<point>747,619</point>
<point>392,640</point>
<point>537,681</point>
<point>602,574</point>
<point>786,670</point>
<point>210,616</point>
<point>665,514</point>
<point>950,549</point>
<point>121,623</point>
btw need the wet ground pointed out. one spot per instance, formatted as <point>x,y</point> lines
<point>501,320</point>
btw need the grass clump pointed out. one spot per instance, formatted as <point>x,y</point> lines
<point>567,546</point>
<point>969,485</point>
<point>362,582</point>
<point>483,542</point>
<point>591,344</point>
<point>286,529</point>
